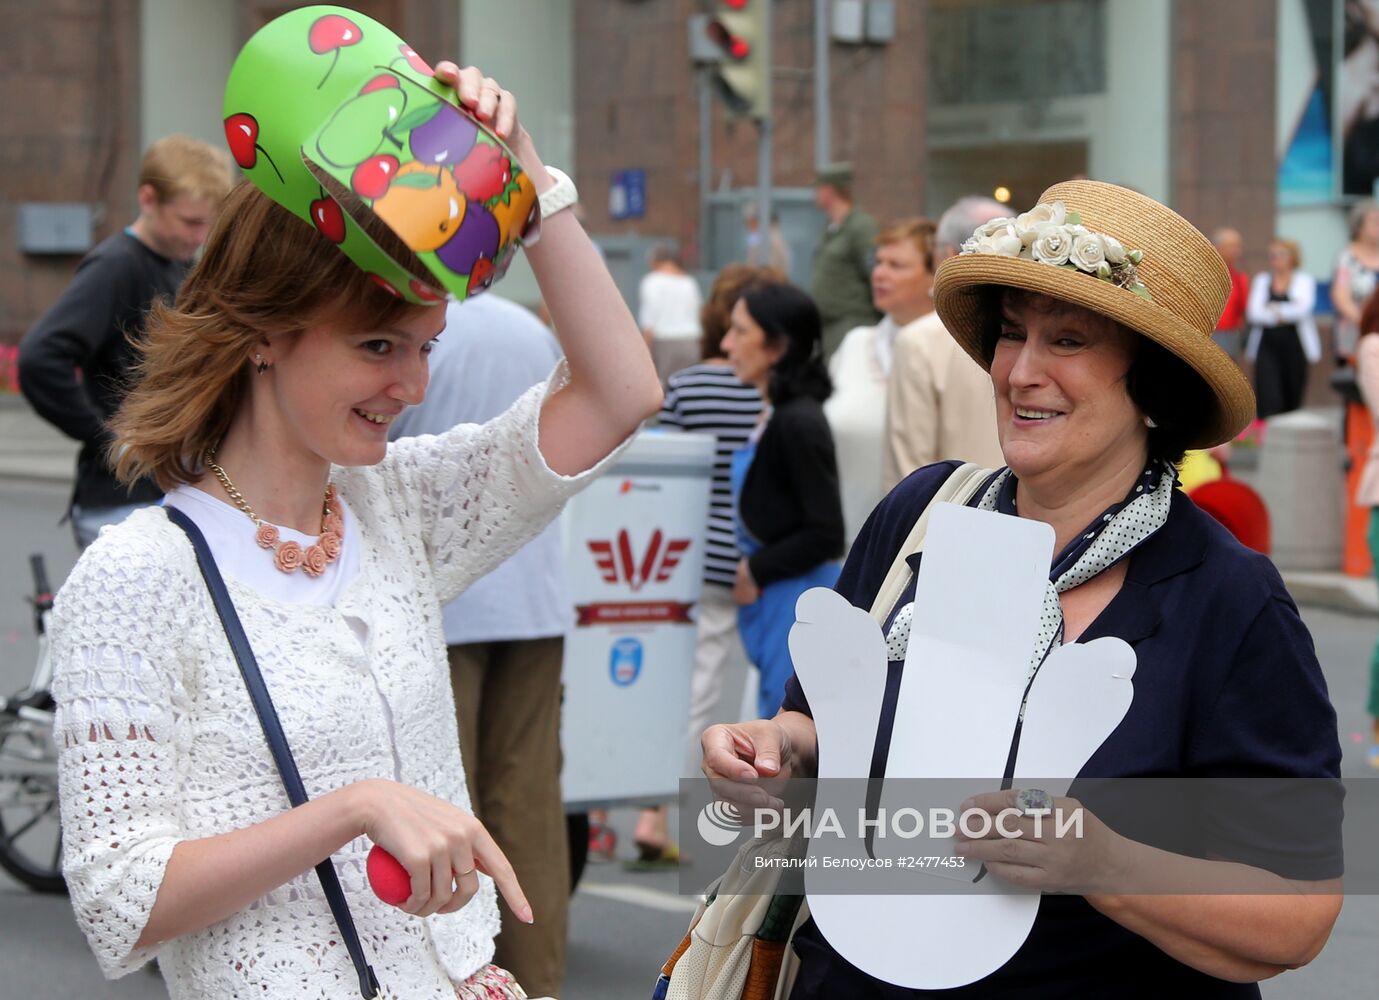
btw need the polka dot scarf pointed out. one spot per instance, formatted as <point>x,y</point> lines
<point>1104,542</point>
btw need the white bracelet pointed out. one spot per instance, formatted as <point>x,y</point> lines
<point>560,195</point>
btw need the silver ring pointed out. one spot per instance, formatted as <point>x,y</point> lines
<point>1033,801</point>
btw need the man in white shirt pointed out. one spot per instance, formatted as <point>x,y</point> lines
<point>506,640</point>
<point>668,312</point>
<point>939,403</point>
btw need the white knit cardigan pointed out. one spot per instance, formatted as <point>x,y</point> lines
<point>159,741</point>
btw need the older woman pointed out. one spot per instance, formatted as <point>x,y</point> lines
<point>902,287</point>
<point>785,478</point>
<point>1283,337</point>
<point>1098,340</point>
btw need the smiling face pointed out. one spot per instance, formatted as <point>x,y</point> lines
<point>901,286</point>
<point>747,347</point>
<point>1059,375</point>
<point>335,390</point>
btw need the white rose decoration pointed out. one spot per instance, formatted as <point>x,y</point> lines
<point>1006,243</point>
<point>1115,250</point>
<point>991,228</point>
<point>1088,252</point>
<point>1055,213</point>
<point>1003,244</point>
<point>1053,244</point>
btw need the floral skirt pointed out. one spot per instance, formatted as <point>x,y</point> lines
<point>490,983</point>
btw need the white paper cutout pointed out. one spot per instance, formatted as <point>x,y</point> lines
<point>979,595</point>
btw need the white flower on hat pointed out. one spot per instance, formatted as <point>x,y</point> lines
<point>1004,242</point>
<point>1052,243</point>
<point>1050,234</point>
<point>992,228</point>
<point>1088,252</point>
<point>1056,213</point>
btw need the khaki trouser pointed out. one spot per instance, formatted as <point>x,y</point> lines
<point>507,704</point>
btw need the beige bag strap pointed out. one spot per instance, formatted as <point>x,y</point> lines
<point>957,488</point>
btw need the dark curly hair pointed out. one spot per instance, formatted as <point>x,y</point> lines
<point>789,316</point>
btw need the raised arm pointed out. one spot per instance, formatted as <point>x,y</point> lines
<point>613,385</point>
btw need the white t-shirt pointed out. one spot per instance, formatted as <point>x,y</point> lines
<point>669,306</point>
<point>231,536</point>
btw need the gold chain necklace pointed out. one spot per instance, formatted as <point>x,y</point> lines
<point>289,556</point>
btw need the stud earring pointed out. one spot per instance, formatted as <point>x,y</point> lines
<point>1150,423</point>
<point>262,365</point>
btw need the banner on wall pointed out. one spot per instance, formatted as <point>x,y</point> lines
<point>635,559</point>
<point>1358,98</point>
<point>1306,97</point>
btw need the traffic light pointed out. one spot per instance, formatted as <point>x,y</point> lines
<point>738,28</point>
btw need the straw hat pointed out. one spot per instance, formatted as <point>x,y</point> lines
<point>1182,288</point>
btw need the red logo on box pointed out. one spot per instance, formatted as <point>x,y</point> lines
<point>618,564</point>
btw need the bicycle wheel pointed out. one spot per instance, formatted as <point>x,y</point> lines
<point>30,831</point>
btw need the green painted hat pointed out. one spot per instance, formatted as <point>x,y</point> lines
<point>325,91</point>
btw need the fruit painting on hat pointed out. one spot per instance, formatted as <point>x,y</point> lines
<point>326,94</point>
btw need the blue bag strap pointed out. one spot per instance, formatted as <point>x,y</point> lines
<point>277,741</point>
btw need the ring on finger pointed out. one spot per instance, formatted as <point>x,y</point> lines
<point>464,873</point>
<point>1033,801</point>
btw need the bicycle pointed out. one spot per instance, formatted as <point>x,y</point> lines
<point>30,833</point>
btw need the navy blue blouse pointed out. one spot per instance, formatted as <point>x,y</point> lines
<point>1227,684</point>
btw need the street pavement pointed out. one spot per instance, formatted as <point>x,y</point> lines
<point>623,924</point>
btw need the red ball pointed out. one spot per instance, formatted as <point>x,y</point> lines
<point>389,879</point>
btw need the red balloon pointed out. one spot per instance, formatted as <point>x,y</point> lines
<point>1237,507</point>
<point>388,879</point>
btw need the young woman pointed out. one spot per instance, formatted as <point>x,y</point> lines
<point>262,407</point>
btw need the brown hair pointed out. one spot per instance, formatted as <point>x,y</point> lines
<point>918,230</point>
<point>264,273</point>
<point>1369,315</point>
<point>179,164</point>
<point>730,285</point>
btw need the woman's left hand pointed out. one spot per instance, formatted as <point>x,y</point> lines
<point>485,99</point>
<point>745,589</point>
<point>1086,860</point>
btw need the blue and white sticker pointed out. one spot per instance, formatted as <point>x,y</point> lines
<point>625,661</point>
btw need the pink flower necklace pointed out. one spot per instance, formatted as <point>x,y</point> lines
<point>289,556</point>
